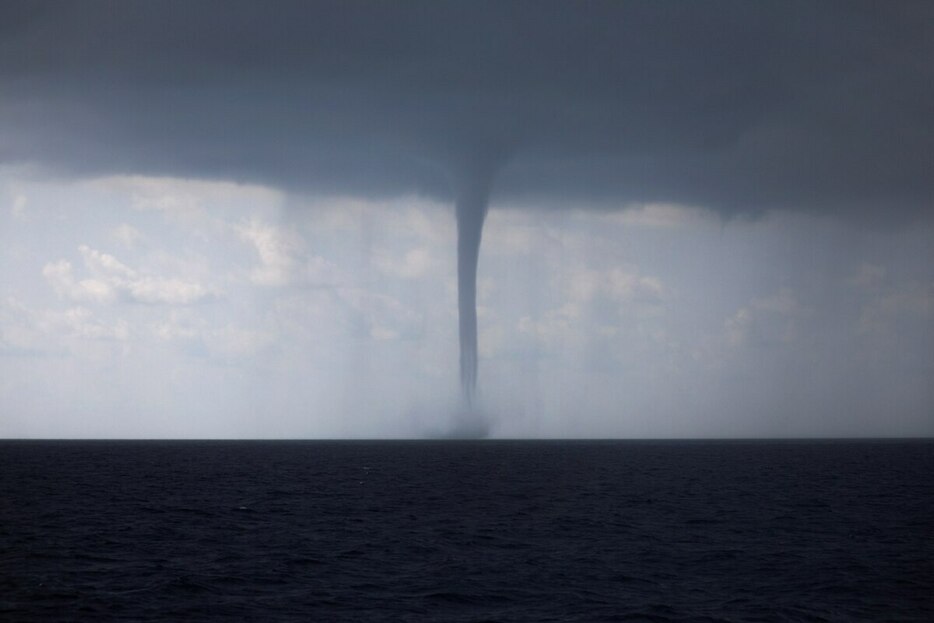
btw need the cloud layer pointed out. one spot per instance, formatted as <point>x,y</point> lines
<point>735,106</point>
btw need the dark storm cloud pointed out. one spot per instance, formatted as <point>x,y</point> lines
<point>730,105</point>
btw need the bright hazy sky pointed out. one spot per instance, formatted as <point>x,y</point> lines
<point>141,306</point>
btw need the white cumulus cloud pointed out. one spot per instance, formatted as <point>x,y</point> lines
<point>277,250</point>
<point>112,278</point>
<point>765,320</point>
<point>127,235</point>
<point>60,276</point>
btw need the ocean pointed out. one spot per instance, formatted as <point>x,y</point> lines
<point>467,531</point>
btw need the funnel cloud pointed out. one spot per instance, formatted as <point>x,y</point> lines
<point>473,199</point>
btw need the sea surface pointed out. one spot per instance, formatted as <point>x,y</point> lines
<point>467,531</point>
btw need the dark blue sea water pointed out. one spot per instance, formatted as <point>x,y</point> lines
<point>467,531</point>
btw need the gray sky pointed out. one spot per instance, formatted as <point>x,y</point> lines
<point>708,219</point>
